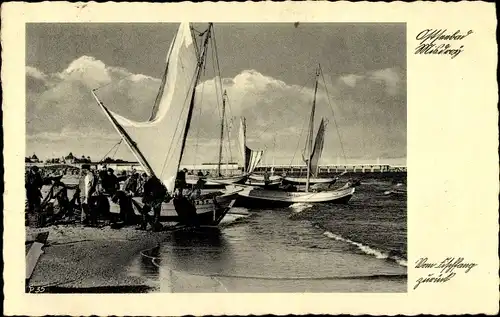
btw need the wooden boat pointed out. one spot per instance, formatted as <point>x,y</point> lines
<point>158,144</point>
<point>210,210</point>
<point>216,183</point>
<point>258,177</point>
<point>251,159</point>
<point>251,196</point>
<point>276,183</point>
<point>312,154</point>
<point>312,180</point>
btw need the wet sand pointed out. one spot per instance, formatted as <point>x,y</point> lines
<point>80,260</point>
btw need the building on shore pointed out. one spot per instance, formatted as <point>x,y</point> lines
<point>32,159</point>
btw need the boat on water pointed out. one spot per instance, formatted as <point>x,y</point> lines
<point>276,183</point>
<point>258,177</point>
<point>250,158</point>
<point>257,197</point>
<point>312,159</point>
<point>250,196</point>
<point>268,180</point>
<point>312,180</point>
<point>215,182</point>
<point>159,143</point>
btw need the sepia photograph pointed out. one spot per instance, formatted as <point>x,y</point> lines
<point>210,157</point>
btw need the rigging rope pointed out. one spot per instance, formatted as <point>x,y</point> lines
<point>186,99</point>
<point>298,143</point>
<point>117,145</point>
<point>219,91</point>
<point>333,115</point>
<point>199,115</point>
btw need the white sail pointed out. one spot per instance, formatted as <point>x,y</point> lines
<point>251,158</point>
<point>318,148</point>
<point>158,143</point>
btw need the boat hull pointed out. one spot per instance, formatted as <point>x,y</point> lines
<point>258,177</point>
<point>209,211</point>
<point>312,180</point>
<point>274,184</point>
<point>252,197</point>
<point>217,183</point>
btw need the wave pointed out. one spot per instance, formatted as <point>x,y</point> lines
<point>367,249</point>
<point>300,207</point>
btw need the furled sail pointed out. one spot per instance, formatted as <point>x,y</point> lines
<point>251,158</point>
<point>158,143</point>
<point>308,148</point>
<point>318,148</point>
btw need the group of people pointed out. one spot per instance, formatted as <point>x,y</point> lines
<point>93,193</point>
<point>97,187</point>
<point>96,192</point>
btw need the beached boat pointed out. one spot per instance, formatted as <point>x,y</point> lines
<point>250,195</point>
<point>159,143</point>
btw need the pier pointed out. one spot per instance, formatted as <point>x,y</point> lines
<point>234,168</point>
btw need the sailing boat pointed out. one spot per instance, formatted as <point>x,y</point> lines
<point>312,154</point>
<point>159,143</point>
<point>260,180</point>
<point>253,196</point>
<point>251,159</point>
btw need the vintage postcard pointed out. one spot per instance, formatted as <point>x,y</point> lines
<point>250,158</point>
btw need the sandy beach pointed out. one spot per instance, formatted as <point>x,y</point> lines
<point>105,254</point>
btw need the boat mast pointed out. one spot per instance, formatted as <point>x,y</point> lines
<point>274,155</point>
<point>310,137</point>
<point>221,131</point>
<point>201,62</point>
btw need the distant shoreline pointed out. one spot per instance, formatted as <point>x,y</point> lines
<point>278,169</point>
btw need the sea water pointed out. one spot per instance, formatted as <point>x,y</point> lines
<point>358,247</point>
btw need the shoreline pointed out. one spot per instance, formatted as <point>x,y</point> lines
<point>91,260</point>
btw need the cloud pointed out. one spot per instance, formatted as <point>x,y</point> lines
<point>370,110</point>
<point>35,73</point>
<point>351,79</point>
<point>390,77</point>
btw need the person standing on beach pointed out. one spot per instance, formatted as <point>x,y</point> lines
<point>59,193</point>
<point>180,181</point>
<point>154,195</point>
<point>266,179</point>
<point>100,203</point>
<point>86,189</point>
<point>140,184</point>
<point>33,185</point>
<point>110,182</point>
<point>127,214</point>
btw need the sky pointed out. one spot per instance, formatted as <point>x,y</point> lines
<point>267,70</point>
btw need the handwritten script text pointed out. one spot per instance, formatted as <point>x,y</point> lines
<point>441,42</point>
<point>444,270</point>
